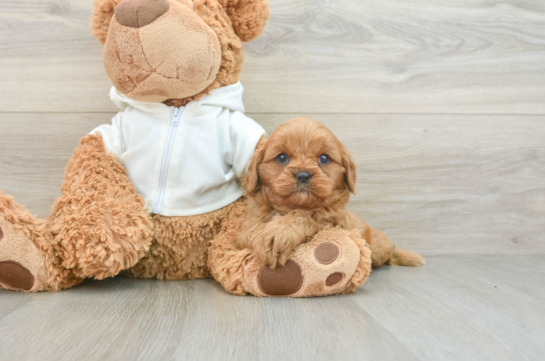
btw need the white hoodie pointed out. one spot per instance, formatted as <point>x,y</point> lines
<point>184,161</point>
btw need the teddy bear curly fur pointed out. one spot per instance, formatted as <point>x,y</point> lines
<point>100,226</point>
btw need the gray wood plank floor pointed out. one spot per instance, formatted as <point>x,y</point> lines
<point>452,308</point>
<point>364,56</point>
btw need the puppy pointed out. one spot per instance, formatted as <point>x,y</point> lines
<point>299,182</point>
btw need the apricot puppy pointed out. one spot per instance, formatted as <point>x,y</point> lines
<point>299,182</point>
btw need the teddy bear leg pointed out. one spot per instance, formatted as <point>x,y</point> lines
<point>335,261</point>
<point>99,224</point>
<point>97,227</point>
<point>27,261</point>
<point>180,245</point>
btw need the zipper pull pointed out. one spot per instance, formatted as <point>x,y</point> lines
<point>175,119</point>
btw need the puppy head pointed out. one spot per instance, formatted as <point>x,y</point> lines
<point>301,166</point>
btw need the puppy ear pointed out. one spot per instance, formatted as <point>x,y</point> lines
<point>350,170</point>
<point>247,16</point>
<point>103,10</point>
<point>251,180</point>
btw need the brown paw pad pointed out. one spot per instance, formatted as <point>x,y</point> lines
<point>334,278</point>
<point>282,280</point>
<point>15,275</point>
<point>326,252</point>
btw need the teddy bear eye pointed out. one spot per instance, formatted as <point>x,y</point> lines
<point>282,158</point>
<point>324,159</point>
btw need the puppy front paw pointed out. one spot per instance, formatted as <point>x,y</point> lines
<point>276,248</point>
<point>283,234</point>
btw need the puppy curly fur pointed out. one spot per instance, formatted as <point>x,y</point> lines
<point>282,212</point>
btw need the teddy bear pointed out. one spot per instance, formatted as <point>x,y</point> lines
<point>157,193</point>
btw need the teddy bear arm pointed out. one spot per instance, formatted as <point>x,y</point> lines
<point>227,260</point>
<point>99,223</point>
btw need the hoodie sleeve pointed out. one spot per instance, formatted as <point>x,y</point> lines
<point>245,133</point>
<point>112,135</point>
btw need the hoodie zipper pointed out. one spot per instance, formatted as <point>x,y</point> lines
<point>172,129</point>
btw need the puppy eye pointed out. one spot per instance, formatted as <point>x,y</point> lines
<point>282,158</point>
<point>324,159</point>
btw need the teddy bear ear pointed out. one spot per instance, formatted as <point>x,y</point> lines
<point>103,10</point>
<point>247,16</point>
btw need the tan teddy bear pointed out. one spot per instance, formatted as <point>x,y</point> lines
<point>150,193</point>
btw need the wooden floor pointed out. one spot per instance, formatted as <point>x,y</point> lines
<point>453,308</point>
<point>442,105</point>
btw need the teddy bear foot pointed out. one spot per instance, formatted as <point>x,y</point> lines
<point>335,261</point>
<point>21,261</point>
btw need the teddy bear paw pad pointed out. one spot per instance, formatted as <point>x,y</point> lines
<point>326,253</point>
<point>15,275</point>
<point>334,278</point>
<point>281,280</point>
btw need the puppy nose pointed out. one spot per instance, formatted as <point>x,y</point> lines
<point>302,177</point>
<point>139,13</point>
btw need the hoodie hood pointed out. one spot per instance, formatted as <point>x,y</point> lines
<point>229,97</point>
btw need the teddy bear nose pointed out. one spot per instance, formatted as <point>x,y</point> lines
<point>302,177</point>
<point>139,13</point>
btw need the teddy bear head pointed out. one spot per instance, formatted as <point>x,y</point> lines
<point>175,51</point>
